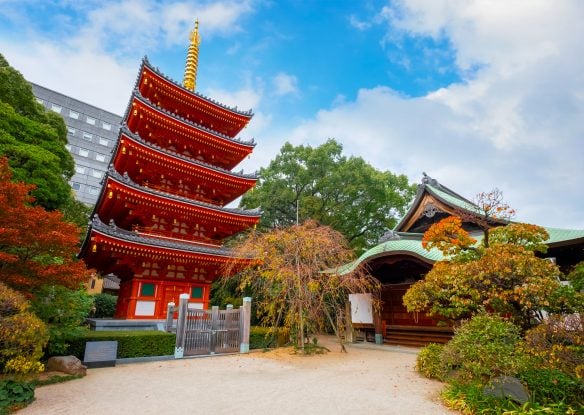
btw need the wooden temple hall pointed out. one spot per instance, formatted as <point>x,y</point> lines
<point>160,219</point>
<point>399,260</point>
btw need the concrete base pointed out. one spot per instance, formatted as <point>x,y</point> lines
<point>106,324</point>
<point>378,338</point>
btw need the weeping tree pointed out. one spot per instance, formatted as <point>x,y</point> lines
<point>297,279</point>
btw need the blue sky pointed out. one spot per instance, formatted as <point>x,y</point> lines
<point>478,94</point>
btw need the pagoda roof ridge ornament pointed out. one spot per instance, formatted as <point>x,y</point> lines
<point>127,180</point>
<point>125,130</point>
<point>145,100</point>
<point>130,236</point>
<point>429,180</point>
<point>145,62</point>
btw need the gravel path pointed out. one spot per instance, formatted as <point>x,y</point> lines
<point>372,380</point>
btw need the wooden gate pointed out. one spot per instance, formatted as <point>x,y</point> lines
<point>208,332</point>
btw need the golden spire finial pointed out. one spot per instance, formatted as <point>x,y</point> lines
<point>190,80</point>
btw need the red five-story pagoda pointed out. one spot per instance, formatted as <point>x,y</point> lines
<point>161,218</point>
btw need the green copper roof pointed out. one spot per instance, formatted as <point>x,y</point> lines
<point>413,246</point>
<point>563,235</point>
<point>453,199</point>
<point>395,247</point>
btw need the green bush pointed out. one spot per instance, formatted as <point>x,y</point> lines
<point>484,347</point>
<point>105,305</point>
<point>264,337</point>
<point>132,343</point>
<point>429,362</point>
<point>469,399</point>
<point>64,311</point>
<point>558,343</point>
<point>14,395</point>
<point>551,386</point>
<point>22,335</point>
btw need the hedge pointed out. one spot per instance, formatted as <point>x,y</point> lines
<point>131,343</point>
<point>140,343</point>
<point>260,339</point>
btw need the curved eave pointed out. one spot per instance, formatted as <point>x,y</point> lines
<point>221,108</point>
<point>131,240</point>
<point>156,195</point>
<point>407,247</point>
<point>227,175</point>
<point>214,135</point>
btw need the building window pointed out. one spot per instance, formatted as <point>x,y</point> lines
<point>56,108</point>
<point>80,169</point>
<point>103,141</point>
<point>76,186</point>
<point>100,157</point>
<point>147,290</point>
<point>107,126</point>
<point>90,120</point>
<point>83,152</point>
<point>74,115</point>
<point>92,190</point>
<point>71,131</point>
<point>87,136</point>
<point>197,292</point>
<point>96,173</point>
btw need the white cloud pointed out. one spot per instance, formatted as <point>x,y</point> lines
<point>358,24</point>
<point>94,58</point>
<point>513,123</point>
<point>285,84</point>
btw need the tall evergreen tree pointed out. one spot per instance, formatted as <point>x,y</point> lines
<point>320,183</point>
<point>34,141</point>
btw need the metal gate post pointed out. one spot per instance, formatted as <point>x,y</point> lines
<point>181,325</point>
<point>244,325</point>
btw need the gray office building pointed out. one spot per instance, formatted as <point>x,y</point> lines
<point>92,135</point>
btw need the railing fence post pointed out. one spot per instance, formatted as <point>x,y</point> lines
<point>169,317</point>
<point>183,309</point>
<point>214,328</point>
<point>245,325</point>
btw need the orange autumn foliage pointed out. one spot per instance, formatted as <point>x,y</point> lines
<point>448,236</point>
<point>36,247</point>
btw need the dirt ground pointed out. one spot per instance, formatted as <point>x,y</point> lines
<point>367,379</point>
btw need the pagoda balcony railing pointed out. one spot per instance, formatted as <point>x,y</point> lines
<point>183,193</point>
<point>170,235</point>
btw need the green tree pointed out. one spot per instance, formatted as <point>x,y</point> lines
<point>294,279</point>
<point>34,141</point>
<point>346,194</point>
<point>63,311</point>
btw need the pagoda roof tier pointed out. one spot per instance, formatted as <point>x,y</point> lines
<point>110,249</point>
<point>159,88</point>
<point>133,153</point>
<point>120,194</point>
<point>145,117</point>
